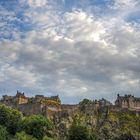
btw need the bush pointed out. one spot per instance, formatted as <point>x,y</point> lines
<point>35,125</point>
<point>47,138</point>
<point>3,133</point>
<point>125,137</point>
<point>93,136</point>
<point>10,118</point>
<point>78,133</point>
<point>23,136</point>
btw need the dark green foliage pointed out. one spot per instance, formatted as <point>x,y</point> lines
<point>83,104</point>
<point>37,126</point>
<point>4,135</point>
<point>13,122</point>
<point>125,137</point>
<point>85,101</point>
<point>23,136</point>
<point>47,138</point>
<point>10,118</point>
<point>93,136</point>
<point>78,133</point>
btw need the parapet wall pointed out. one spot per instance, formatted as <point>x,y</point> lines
<point>69,107</point>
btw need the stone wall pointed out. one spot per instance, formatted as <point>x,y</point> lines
<point>36,106</point>
<point>31,109</point>
<point>69,108</point>
<point>22,100</point>
<point>38,109</point>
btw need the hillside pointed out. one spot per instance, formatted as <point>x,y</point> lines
<point>102,124</point>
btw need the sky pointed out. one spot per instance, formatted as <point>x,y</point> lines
<point>72,48</point>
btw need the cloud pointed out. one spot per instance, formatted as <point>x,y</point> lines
<point>121,4</point>
<point>18,76</point>
<point>72,53</point>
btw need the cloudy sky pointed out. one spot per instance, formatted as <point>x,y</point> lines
<point>75,48</point>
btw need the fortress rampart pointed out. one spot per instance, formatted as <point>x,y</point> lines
<point>50,106</point>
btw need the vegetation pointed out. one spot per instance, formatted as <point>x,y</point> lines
<point>85,101</point>
<point>10,118</point>
<point>51,103</point>
<point>120,126</point>
<point>4,135</point>
<point>78,132</point>
<point>37,126</point>
<point>104,126</point>
<point>15,126</point>
<point>23,136</point>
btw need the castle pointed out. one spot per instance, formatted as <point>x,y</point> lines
<point>35,105</point>
<point>50,106</point>
<point>128,102</point>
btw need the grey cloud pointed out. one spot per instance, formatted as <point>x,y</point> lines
<point>97,60</point>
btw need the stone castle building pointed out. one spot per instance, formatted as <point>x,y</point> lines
<point>39,104</point>
<point>20,98</point>
<point>128,102</point>
<point>51,106</point>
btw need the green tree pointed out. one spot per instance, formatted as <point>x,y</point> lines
<point>48,138</point>
<point>23,136</point>
<point>85,101</point>
<point>36,125</point>
<point>3,133</point>
<point>78,132</point>
<point>10,118</point>
<point>83,104</point>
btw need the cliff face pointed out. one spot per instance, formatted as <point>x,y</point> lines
<point>107,124</point>
<point>116,124</point>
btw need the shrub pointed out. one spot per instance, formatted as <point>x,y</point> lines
<point>10,118</point>
<point>3,133</point>
<point>36,125</point>
<point>23,136</point>
<point>78,133</point>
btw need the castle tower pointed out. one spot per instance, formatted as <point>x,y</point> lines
<point>20,98</point>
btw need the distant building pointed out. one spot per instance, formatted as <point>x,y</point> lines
<point>128,102</point>
<point>51,106</point>
<point>39,104</point>
<point>20,98</point>
<point>103,102</point>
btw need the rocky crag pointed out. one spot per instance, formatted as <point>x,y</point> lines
<point>108,121</point>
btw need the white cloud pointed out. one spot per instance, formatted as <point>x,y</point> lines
<point>81,26</point>
<point>18,76</point>
<point>121,4</point>
<point>75,54</point>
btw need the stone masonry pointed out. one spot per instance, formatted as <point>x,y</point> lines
<point>51,106</point>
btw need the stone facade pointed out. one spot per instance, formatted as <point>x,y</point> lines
<point>20,98</point>
<point>69,109</point>
<point>51,106</point>
<point>128,102</point>
<point>39,104</point>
